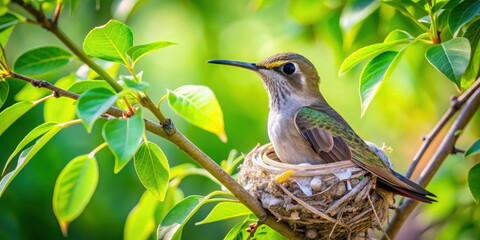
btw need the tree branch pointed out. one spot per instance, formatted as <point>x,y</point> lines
<point>472,104</point>
<point>192,151</point>
<point>455,105</point>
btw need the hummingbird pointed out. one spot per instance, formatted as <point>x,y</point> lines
<point>303,128</point>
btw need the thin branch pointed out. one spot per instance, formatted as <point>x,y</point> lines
<point>445,148</point>
<point>455,105</point>
<point>191,150</point>
<point>58,10</point>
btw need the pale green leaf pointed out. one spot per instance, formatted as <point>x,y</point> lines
<point>140,222</point>
<point>450,58</point>
<point>198,105</point>
<point>462,14</point>
<point>74,188</point>
<point>172,224</point>
<point>93,103</point>
<point>474,149</point>
<point>124,137</point>
<point>41,60</point>
<point>225,210</point>
<point>370,51</point>
<point>374,74</point>
<point>11,114</point>
<point>152,168</point>
<point>32,135</point>
<point>136,52</point>
<point>31,93</point>
<point>27,154</point>
<point>109,42</point>
<point>3,92</point>
<point>474,182</point>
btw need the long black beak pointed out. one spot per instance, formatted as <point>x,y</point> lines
<point>246,65</point>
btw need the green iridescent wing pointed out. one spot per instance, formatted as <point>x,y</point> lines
<point>332,139</point>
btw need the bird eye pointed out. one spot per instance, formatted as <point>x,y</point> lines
<point>288,68</point>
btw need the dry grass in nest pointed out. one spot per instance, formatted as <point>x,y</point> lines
<point>326,201</point>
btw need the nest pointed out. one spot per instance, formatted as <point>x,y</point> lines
<point>326,201</point>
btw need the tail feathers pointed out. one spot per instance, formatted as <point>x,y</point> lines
<point>414,191</point>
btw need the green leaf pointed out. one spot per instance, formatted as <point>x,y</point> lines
<point>74,188</point>
<point>41,60</point>
<point>27,154</point>
<point>84,85</point>
<point>3,92</point>
<point>474,182</point>
<point>198,105</point>
<point>139,51</point>
<point>372,50</point>
<point>8,22</point>
<point>462,14</point>
<point>474,149</point>
<point>356,11</point>
<point>109,42</point>
<point>134,83</point>
<point>60,109</point>
<point>152,168</point>
<point>225,210</point>
<point>398,35</point>
<point>11,114</point>
<point>264,232</point>
<point>32,135</point>
<point>141,221</point>
<point>172,224</point>
<point>124,137</point>
<point>93,103</point>
<point>238,231</point>
<point>73,5</point>
<point>473,35</point>
<point>174,196</point>
<point>377,71</point>
<point>450,58</point>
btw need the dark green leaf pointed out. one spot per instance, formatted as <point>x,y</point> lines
<point>474,182</point>
<point>152,168</point>
<point>8,22</point>
<point>462,14</point>
<point>124,137</point>
<point>27,154</point>
<point>199,106</point>
<point>84,85</point>
<point>377,71</point>
<point>225,210</point>
<point>450,58</point>
<point>32,135</point>
<point>74,188</point>
<point>109,42</point>
<point>140,222</point>
<point>60,109</point>
<point>139,51</point>
<point>473,35</point>
<point>474,149</point>
<point>93,103</point>
<point>171,226</point>
<point>41,60</point>
<point>3,92</point>
<point>356,11</point>
<point>11,114</point>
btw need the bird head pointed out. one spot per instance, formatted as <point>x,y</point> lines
<point>288,77</point>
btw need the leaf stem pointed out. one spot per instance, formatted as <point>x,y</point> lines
<point>97,149</point>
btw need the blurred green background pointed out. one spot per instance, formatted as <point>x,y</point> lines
<point>404,110</point>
